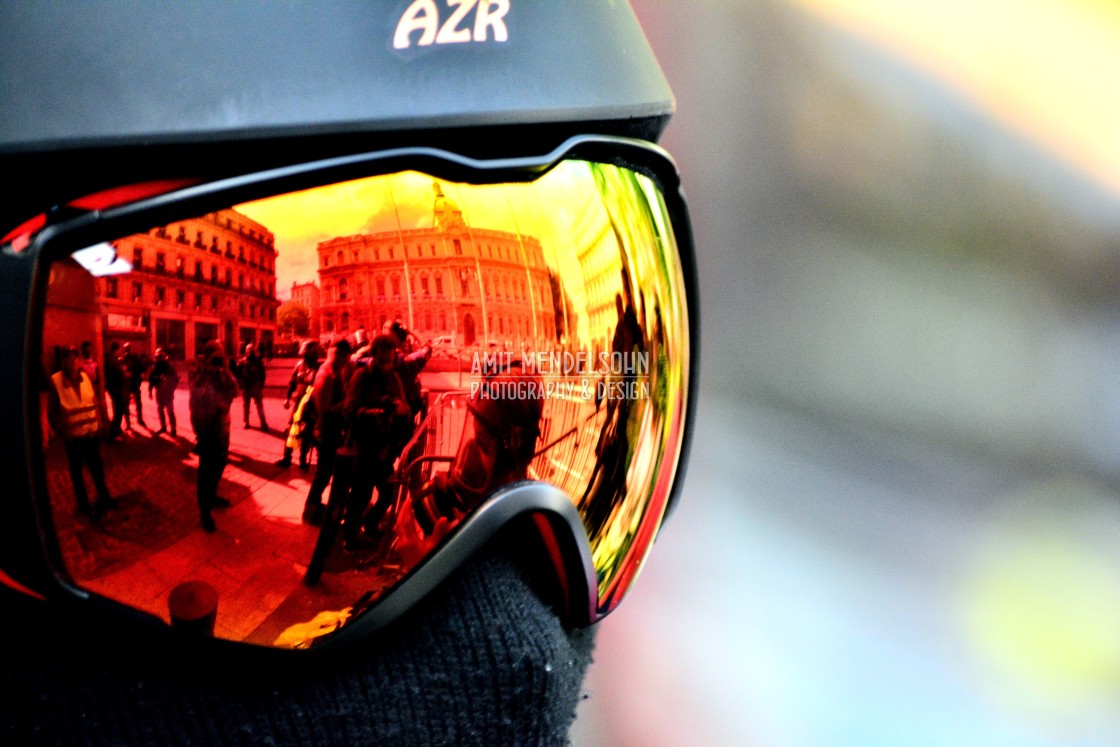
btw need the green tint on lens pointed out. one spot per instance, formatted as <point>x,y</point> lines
<point>497,333</point>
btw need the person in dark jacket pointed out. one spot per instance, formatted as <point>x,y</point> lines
<point>162,382</point>
<point>115,388</point>
<point>376,411</point>
<point>135,370</point>
<point>213,389</point>
<point>250,376</point>
<point>328,393</point>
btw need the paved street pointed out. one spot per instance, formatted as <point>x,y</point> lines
<point>257,557</point>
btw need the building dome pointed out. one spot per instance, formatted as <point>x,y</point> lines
<point>447,213</point>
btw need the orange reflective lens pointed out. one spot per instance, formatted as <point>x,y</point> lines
<point>260,421</point>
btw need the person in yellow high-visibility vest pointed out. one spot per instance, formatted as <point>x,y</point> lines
<point>77,415</point>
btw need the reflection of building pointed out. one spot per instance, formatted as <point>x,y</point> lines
<point>475,285</point>
<point>307,295</point>
<point>70,317</point>
<point>212,277</point>
<point>600,262</point>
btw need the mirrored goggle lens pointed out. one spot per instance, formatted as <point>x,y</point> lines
<point>261,420</point>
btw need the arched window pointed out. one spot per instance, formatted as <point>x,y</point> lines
<point>439,284</point>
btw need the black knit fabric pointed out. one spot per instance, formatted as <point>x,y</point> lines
<point>482,661</point>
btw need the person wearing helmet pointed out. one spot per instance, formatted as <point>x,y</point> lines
<point>137,119</point>
<point>499,441</point>
<point>412,357</point>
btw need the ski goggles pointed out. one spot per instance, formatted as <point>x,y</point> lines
<point>547,308</point>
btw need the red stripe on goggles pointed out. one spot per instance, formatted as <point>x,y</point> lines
<point>517,345</point>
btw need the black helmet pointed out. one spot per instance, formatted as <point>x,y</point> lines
<point>243,86</point>
<point>209,106</point>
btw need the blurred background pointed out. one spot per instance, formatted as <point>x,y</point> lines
<point>900,523</point>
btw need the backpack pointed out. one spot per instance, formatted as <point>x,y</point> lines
<point>208,407</point>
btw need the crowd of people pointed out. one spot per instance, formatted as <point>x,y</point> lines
<point>353,411</point>
<point>352,408</point>
<point>357,410</point>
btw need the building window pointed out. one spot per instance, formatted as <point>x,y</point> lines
<point>182,237</point>
<point>138,259</point>
<point>464,283</point>
<point>345,327</point>
<point>357,255</point>
<point>161,262</point>
<point>180,299</point>
<point>424,285</point>
<point>458,247</point>
<point>137,292</point>
<point>111,287</point>
<point>213,303</point>
<point>439,285</point>
<point>214,274</point>
<point>380,282</point>
<point>340,260</point>
<point>198,270</point>
<point>179,266</point>
<point>395,281</point>
<point>159,295</point>
<point>376,254</point>
<point>342,294</point>
<point>197,301</point>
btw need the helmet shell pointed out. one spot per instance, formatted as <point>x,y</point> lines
<point>141,72</point>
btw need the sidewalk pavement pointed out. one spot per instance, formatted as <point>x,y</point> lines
<point>138,552</point>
